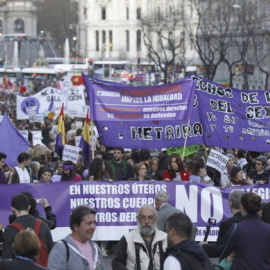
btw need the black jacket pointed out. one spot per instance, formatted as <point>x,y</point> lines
<point>190,255</point>
<point>213,249</point>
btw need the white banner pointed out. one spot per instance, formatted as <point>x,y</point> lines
<point>39,104</point>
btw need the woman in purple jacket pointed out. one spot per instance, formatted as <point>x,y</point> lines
<point>250,242</point>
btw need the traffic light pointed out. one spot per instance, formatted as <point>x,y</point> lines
<point>90,61</point>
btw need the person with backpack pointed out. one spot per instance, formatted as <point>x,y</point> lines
<point>183,253</point>
<point>26,248</point>
<point>20,207</point>
<point>77,250</point>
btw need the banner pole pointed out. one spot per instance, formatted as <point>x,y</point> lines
<point>92,140</point>
<point>185,143</point>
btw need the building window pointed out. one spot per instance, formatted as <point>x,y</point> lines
<point>139,40</point>
<point>19,26</point>
<point>104,40</point>
<point>103,13</point>
<point>97,41</point>
<point>111,40</point>
<point>127,40</point>
<point>139,13</point>
<point>127,10</point>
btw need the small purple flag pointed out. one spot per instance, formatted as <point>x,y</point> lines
<point>12,143</point>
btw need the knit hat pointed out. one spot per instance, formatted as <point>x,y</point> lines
<point>235,170</point>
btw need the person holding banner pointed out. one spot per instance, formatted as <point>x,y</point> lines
<point>140,171</point>
<point>69,173</point>
<point>100,170</point>
<point>237,177</point>
<point>121,169</point>
<point>177,171</point>
<point>154,171</point>
<point>260,175</point>
<point>22,172</point>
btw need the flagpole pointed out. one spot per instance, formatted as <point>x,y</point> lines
<point>92,140</point>
<point>185,143</point>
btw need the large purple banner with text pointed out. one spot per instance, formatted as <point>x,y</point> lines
<point>117,203</point>
<point>157,116</point>
<point>135,116</point>
<point>233,118</point>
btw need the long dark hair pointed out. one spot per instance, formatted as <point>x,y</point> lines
<point>95,169</point>
<point>179,163</point>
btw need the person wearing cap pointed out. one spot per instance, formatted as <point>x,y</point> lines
<point>260,175</point>
<point>238,177</point>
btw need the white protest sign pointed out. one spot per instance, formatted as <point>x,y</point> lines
<point>217,161</point>
<point>75,101</point>
<point>24,133</point>
<point>77,140</point>
<point>37,137</point>
<point>36,118</point>
<point>71,153</point>
<point>79,124</point>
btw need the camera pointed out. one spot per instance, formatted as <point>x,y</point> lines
<point>39,201</point>
<point>212,221</point>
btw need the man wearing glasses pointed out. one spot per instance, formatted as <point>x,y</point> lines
<point>144,247</point>
<point>260,175</point>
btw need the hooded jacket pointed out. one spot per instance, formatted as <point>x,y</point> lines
<point>59,259</point>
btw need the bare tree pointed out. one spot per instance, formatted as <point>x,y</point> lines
<point>57,18</point>
<point>164,38</point>
<point>228,33</point>
<point>213,33</point>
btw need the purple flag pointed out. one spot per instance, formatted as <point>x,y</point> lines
<point>12,143</point>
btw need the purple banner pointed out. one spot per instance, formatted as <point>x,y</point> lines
<point>156,128</point>
<point>126,103</point>
<point>233,118</point>
<point>117,203</point>
<point>221,116</point>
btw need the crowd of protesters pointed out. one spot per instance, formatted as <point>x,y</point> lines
<point>40,163</point>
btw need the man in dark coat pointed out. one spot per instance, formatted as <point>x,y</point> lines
<point>183,253</point>
<point>212,249</point>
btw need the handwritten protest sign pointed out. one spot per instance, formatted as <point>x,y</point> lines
<point>71,153</point>
<point>217,161</point>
